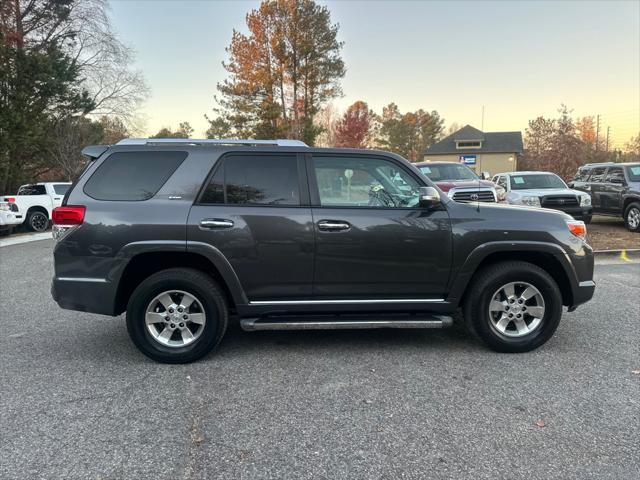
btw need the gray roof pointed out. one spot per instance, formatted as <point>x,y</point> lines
<point>492,142</point>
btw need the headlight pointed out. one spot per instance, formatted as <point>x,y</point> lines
<point>531,201</point>
<point>585,200</point>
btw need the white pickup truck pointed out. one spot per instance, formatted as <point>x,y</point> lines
<point>36,201</point>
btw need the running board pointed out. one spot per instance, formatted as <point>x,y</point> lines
<point>255,324</point>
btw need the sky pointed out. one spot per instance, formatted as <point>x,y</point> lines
<point>518,59</point>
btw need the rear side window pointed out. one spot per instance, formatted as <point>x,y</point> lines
<point>32,190</point>
<point>133,176</point>
<point>615,175</point>
<point>255,180</point>
<point>60,189</point>
<point>598,174</point>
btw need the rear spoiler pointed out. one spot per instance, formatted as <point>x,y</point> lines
<point>94,151</point>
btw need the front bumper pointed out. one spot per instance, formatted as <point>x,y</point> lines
<point>576,212</point>
<point>582,294</point>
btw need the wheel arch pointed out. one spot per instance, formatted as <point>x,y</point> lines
<point>547,256</point>
<point>146,262</point>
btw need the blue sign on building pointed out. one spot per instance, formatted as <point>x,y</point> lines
<point>467,159</point>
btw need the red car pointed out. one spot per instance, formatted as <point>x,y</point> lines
<point>459,182</point>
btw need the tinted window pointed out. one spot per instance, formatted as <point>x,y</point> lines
<point>449,171</point>
<point>633,172</point>
<point>133,175</point>
<point>255,179</point>
<point>597,175</point>
<point>32,190</point>
<point>364,182</point>
<point>524,182</point>
<point>615,175</point>
<point>60,189</point>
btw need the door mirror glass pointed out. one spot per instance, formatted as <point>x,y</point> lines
<point>429,197</point>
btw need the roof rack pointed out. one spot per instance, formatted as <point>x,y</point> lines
<point>211,141</point>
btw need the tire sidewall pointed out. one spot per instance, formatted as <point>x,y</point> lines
<point>552,315</point>
<point>632,206</point>
<point>136,312</point>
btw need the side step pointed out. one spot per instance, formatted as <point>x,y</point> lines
<point>339,323</point>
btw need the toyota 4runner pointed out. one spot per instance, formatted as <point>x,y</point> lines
<point>185,234</point>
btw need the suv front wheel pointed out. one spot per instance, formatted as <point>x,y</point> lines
<point>513,306</point>
<point>177,315</point>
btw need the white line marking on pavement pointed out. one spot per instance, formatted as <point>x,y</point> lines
<point>27,237</point>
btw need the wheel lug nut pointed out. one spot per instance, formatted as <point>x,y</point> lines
<point>507,307</point>
<point>171,310</point>
<point>510,315</point>
<point>518,315</point>
<point>185,316</point>
<point>180,310</point>
<point>520,301</point>
<point>181,324</point>
<point>173,325</point>
<point>166,319</point>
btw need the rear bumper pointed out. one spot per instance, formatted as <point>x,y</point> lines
<point>9,219</point>
<point>94,295</point>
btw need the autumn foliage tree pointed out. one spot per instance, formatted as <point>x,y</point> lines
<point>281,73</point>
<point>354,129</point>
<point>409,134</point>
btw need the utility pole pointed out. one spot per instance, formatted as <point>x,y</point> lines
<point>597,131</point>
<point>608,138</point>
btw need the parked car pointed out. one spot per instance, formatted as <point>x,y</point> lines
<point>458,181</point>
<point>36,201</point>
<point>9,217</point>
<point>182,234</point>
<point>614,190</point>
<point>546,190</point>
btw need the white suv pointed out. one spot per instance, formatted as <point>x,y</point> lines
<point>546,190</point>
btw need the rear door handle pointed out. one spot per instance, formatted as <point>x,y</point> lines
<point>215,223</point>
<point>333,225</point>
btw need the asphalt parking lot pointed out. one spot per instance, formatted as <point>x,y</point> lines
<point>79,401</point>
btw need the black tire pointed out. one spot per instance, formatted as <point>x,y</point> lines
<point>196,283</point>
<point>37,221</point>
<point>632,209</point>
<point>488,281</point>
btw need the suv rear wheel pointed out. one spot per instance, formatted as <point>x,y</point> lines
<point>37,221</point>
<point>177,315</point>
<point>632,217</point>
<point>513,306</point>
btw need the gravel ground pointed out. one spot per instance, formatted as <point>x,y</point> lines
<point>609,233</point>
<point>78,401</point>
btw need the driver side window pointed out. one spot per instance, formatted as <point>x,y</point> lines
<point>364,182</point>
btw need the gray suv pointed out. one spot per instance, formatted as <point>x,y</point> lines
<point>185,234</point>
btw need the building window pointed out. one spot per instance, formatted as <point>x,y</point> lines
<point>474,144</point>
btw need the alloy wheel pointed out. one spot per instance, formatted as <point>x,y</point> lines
<point>516,309</point>
<point>175,318</point>
<point>633,217</point>
<point>39,222</point>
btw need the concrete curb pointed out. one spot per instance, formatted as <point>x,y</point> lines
<point>627,254</point>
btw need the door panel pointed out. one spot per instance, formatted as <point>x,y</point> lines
<point>372,238</point>
<point>384,253</point>
<point>270,248</point>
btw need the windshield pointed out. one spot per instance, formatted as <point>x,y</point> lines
<point>450,171</point>
<point>535,182</point>
<point>633,171</point>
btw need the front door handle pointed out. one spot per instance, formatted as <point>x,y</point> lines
<point>215,223</point>
<point>333,225</point>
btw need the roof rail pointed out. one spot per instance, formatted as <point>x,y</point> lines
<point>211,141</point>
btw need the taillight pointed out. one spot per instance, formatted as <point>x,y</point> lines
<point>68,215</point>
<point>578,228</point>
<point>10,199</point>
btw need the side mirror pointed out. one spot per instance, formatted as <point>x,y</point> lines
<point>429,197</point>
<point>485,175</point>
